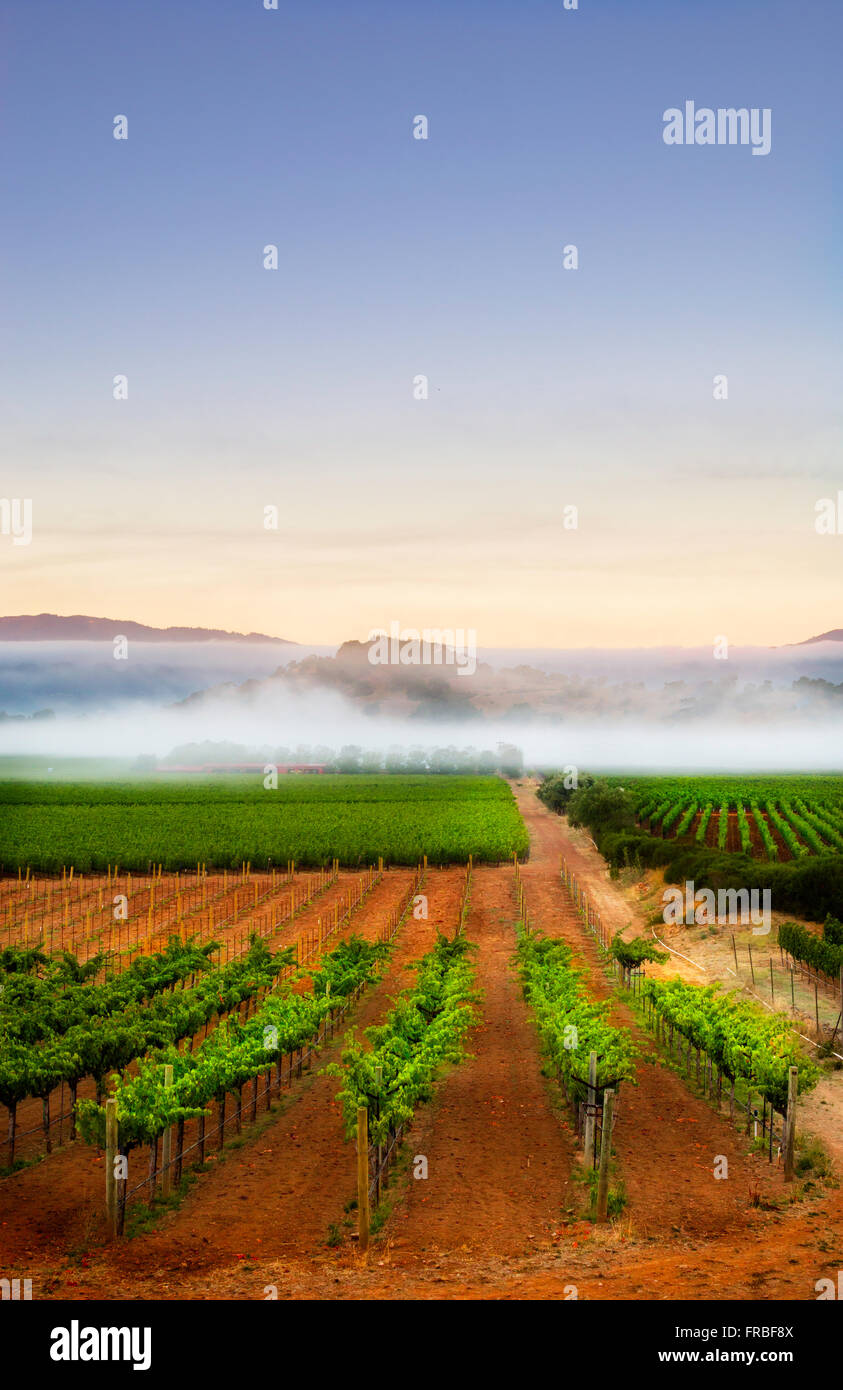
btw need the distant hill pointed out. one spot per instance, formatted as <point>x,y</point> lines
<point>526,694</point>
<point>835,635</point>
<point>50,627</point>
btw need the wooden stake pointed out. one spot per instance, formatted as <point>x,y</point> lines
<point>790,1136</point>
<point>167,1143</point>
<point>110,1156</point>
<point>588,1140</point>
<point>363,1178</point>
<point>605,1154</point>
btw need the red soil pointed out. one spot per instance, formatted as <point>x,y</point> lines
<point>489,1221</point>
<point>234,940</point>
<point>55,1205</point>
<point>498,1150</point>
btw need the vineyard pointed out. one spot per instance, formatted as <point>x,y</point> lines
<point>772,818</point>
<point>222,822</point>
<point>85,996</point>
<point>361,1051</point>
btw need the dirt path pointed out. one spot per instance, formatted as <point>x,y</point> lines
<point>498,1153</point>
<point>699,957</point>
<point>666,1137</point>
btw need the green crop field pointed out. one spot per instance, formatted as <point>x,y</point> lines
<point>225,821</point>
<point>768,817</point>
<point>168,788</point>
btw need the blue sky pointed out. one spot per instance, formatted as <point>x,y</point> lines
<point>293,387</point>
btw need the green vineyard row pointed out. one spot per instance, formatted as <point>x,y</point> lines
<point>449,820</point>
<point>393,1074</point>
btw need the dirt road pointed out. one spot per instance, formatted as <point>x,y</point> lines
<point>498,1148</point>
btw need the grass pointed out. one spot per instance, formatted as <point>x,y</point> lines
<point>811,1158</point>
<point>19,1164</point>
<point>142,1217</point>
<point>589,1180</point>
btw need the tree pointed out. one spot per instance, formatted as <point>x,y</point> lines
<point>558,788</point>
<point>349,758</point>
<point>631,953</point>
<point>510,760</point>
<point>602,808</point>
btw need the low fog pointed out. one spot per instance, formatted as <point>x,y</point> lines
<point>326,720</point>
<point>77,676</point>
<point>625,710</point>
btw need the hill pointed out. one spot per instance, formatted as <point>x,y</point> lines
<point>51,627</point>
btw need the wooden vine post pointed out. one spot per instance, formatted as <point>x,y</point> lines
<point>110,1159</point>
<point>188,1047</point>
<point>605,1153</point>
<point>167,1143</point>
<point>362,1178</point>
<point>790,1136</point>
<point>591,1101</point>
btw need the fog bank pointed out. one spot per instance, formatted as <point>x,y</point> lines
<point>325,721</point>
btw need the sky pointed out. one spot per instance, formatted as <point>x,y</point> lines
<point>549,388</point>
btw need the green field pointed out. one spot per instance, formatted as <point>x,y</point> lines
<point>768,817</point>
<point>783,833</point>
<point>201,790</point>
<point>227,820</point>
